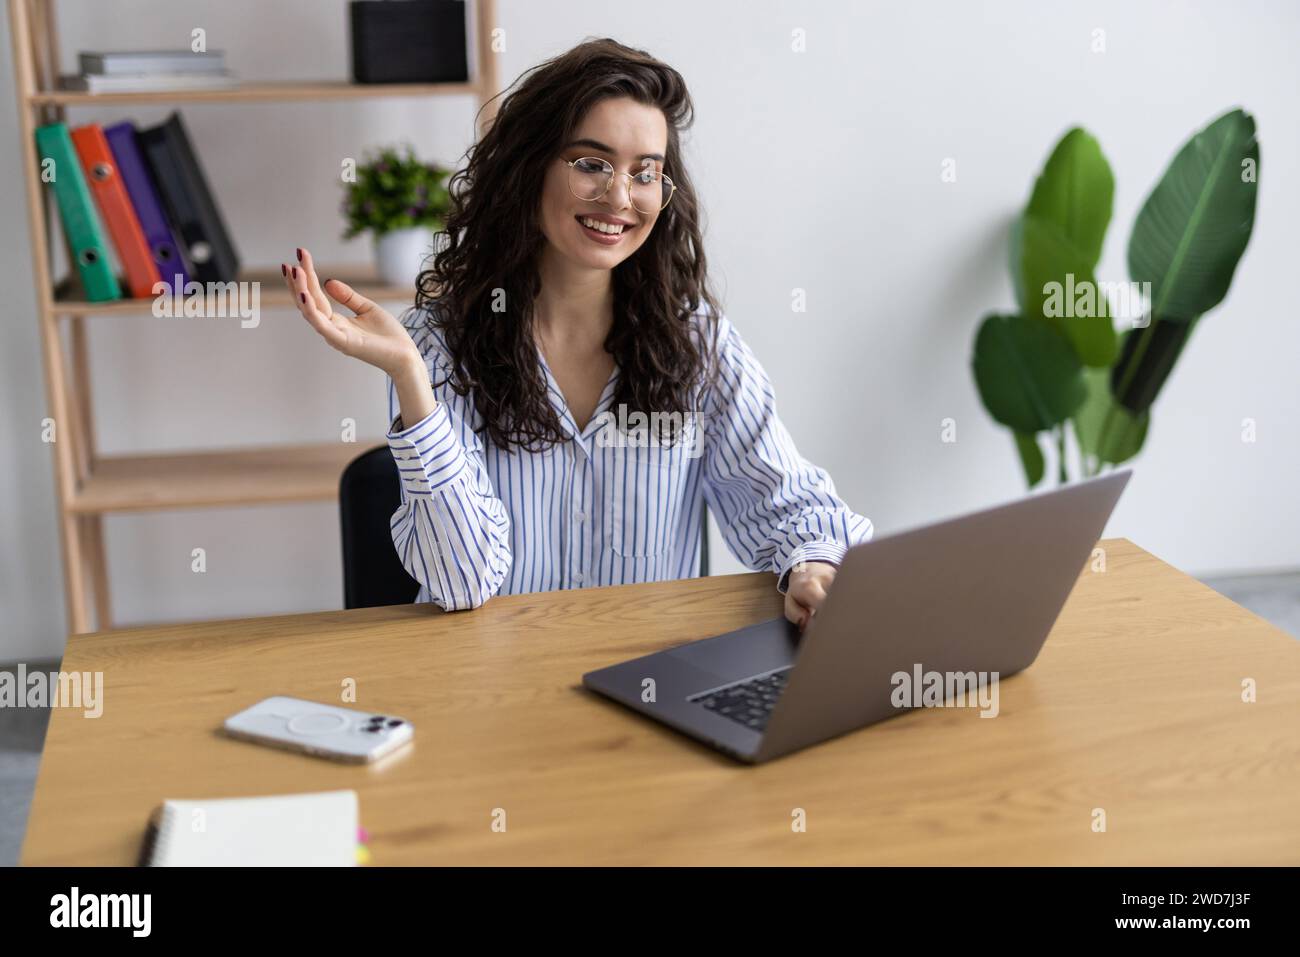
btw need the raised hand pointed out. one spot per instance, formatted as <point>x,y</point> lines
<point>371,335</point>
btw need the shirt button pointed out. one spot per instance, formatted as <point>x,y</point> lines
<point>579,577</point>
<point>580,515</point>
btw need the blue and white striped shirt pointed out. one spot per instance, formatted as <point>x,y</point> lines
<point>476,521</point>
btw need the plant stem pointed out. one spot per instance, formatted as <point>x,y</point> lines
<point>1144,340</point>
<point>1061,476</point>
<point>1105,427</point>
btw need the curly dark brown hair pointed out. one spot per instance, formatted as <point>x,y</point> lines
<point>492,240</point>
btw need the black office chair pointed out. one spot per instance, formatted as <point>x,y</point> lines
<point>373,575</point>
<point>369,494</point>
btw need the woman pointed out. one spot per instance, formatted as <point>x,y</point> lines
<point>569,393</point>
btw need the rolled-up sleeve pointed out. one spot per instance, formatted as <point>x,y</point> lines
<point>775,509</point>
<point>451,531</point>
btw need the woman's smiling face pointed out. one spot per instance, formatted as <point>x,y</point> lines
<point>631,137</point>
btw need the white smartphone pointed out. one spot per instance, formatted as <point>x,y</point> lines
<point>343,734</point>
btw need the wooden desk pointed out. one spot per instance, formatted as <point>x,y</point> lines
<point>1134,706</point>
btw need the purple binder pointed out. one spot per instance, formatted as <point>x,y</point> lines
<point>148,207</point>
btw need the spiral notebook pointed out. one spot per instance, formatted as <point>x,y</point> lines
<point>293,830</point>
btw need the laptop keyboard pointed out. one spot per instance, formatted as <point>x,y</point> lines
<point>749,702</point>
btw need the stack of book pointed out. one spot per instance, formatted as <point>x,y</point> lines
<point>150,71</point>
<point>135,204</point>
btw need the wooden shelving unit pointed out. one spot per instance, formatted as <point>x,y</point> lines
<point>280,473</point>
<point>69,303</point>
<point>89,485</point>
<point>259,93</point>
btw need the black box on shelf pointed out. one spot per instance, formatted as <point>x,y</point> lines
<point>408,41</point>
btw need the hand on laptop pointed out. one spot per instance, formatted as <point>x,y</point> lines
<point>806,590</point>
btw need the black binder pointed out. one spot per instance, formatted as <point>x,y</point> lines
<point>196,220</point>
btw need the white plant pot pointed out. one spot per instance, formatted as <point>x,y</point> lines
<point>400,254</point>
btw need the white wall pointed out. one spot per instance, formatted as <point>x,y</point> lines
<point>818,170</point>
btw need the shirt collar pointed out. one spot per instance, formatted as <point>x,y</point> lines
<point>556,397</point>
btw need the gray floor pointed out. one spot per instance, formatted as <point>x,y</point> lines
<point>22,733</point>
<point>1275,598</point>
<point>22,730</point>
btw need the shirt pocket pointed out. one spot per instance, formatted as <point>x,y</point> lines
<point>643,494</point>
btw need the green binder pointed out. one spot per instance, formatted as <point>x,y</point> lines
<point>81,224</point>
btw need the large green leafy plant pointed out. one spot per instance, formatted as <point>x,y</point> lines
<point>1057,366</point>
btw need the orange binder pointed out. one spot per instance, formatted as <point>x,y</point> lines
<point>116,209</point>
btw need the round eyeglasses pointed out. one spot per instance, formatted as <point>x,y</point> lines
<point>648,189</point>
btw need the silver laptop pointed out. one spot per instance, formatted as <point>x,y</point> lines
<point>978,593</point>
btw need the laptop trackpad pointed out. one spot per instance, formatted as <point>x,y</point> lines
<point>749,651</point>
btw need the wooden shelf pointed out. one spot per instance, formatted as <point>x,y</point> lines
<point>281,473</point>
<point>88,485</point>
<point>257,93</point>
<point>69,301</point>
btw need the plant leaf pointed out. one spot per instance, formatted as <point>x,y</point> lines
<point>1194,227</point>
<point>1028,375</point>
<point>1031,457</point>
<point>1075,193</point>
<point>1059,288</point>
<point>1154,350</point>
<point>1015,260</point>
<point>1124,433</point>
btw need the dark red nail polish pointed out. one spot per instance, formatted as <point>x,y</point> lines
<point>284,270</point>
<point>299,255</point>
<point>295,272</point>
<point>302,296</point>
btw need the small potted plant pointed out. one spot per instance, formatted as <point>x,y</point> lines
<point>402,201</point>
